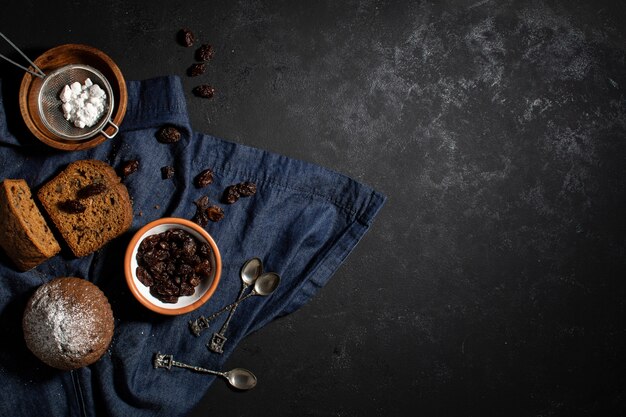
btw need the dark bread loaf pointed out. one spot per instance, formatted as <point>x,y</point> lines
<point>105,214</point>
<point>68,323</point>
<point>24,234</point>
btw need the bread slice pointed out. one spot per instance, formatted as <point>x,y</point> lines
<point>24,234</point>
<point>105,216</point>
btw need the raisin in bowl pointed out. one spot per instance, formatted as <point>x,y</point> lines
<point>172,266</point>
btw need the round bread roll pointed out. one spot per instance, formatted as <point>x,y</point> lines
<point>68,323</point>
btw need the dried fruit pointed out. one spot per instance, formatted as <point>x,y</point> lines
<point>186,37</point>
<point>231,194</point>
<point>200,218</point>
<point>204,91</point>
<point>246,189</point>
<point>172,264</point>
<point>129,167</point>
<point>72,206</point>
<point>167,172</point>
<point>215,213</point>
<point>168,134</point>
<point>196,69</point>
<point>202,203</point>
<point>205,53</point>
<point>204,178</point>
<point>91,190</point>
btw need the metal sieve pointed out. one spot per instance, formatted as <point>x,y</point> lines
<point>49,102</point>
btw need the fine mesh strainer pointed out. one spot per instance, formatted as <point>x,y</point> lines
<point>49,102</point>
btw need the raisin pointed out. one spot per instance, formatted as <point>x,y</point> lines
<point>129,167</point>
<point>215,213</point>
<point>185,270</point>
<point>187,289</point>
<point>196,69</point>
<point>186,37</point>
<point>72,206</point>
<point>195,280</point>
<point>204,178</point>
<point>205,53</point>
<point>200,219</point>
<point>167,172</point>
<point>204,91</point>
<point>231,194</point>
<point>246,189</point>
<point>203,268</point>
<point>202,203</point>
<point>189,247</point>
<point>168,134</point>
<point>203,250</point>
<point>144,277</point>
<point>91,190</point>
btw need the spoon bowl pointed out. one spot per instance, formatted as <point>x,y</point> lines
<point>241,378</point>
<point>266,283</point>
<point>250,271</point>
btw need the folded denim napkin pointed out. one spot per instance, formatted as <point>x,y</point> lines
<point>302,222</point>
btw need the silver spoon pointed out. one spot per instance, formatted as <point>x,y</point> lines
<point>264,285</point>
<point>239,378</point>
<point>250,271</point>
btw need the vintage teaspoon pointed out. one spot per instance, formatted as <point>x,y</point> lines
<point>264,285</point>
<point>239,378</point>
<point>250,271</point>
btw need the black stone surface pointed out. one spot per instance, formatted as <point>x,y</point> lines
<point>493,281</point>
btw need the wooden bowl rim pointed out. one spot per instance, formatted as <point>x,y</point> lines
<point>118,83</point>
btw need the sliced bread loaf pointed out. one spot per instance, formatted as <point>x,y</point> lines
<point>88,204</point>
<point>24,234</point>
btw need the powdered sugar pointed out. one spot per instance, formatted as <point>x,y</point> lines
<point>60,328</point>
<point>83,105</point>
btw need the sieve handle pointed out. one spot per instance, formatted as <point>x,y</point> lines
<point>39,72</point>
<point>110,122</point>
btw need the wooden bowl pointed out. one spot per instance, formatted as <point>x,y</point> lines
<point>56,58</point>
<point>185,304</point>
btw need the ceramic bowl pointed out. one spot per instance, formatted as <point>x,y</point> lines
<point>203,292</point>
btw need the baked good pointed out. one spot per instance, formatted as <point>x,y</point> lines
<point>68,323</point>
<point>88,204</point>
<point>24,234</point>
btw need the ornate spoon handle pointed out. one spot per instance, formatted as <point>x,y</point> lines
<point>167,361</point>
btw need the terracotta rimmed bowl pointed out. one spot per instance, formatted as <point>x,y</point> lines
<point>203,292</point>
<point>54,59</point>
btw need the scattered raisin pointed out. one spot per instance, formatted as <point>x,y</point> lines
<point>200,219</point>
<point>91,190</point>
<point>246,189</point>
<point>231,194</point>
<point>129,167</point>
<point>72,206</point>
<point>186,37</point>
<point>202,203</point>
<point>168,134</point>
<point>215,213</point>
<point>205,53</point>
<point>196,69</point>
<point>167,172</point>
<point>204,91</point>
<point>204,178</point>
<point>172,264</point>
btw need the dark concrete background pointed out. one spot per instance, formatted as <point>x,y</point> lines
<point>492,282</point>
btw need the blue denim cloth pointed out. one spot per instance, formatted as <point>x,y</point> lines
<point>303,222</point>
